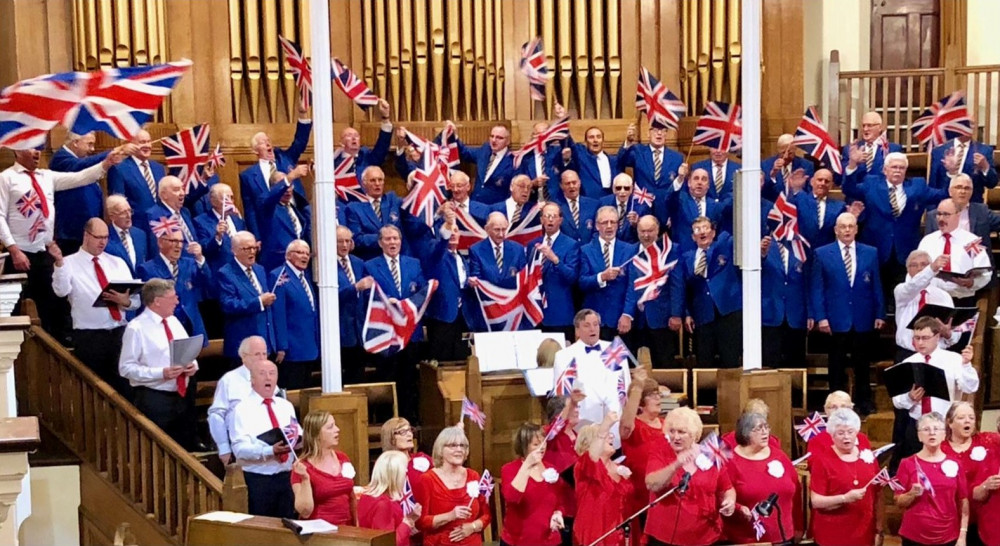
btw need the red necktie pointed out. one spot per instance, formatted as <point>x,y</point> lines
<point>274,423</point>
<point>923,300</point>
<point>182,385</point>
<point>102,279</point>
<point>41,195</point>
<point>947,250</point>
<point>925,402</point>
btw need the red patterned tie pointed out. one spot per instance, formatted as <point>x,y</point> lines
<point>103,281</point>
<point>925,402</point>
<point>274,423</point>
<point>182,384</point>
<point>923,300</point>
<point>41,195</point>
<point>947,250</point>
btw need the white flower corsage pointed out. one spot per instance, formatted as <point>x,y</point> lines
<point>867,456</point>
<point>420,464</point>
<point>703,463</point>
<point>978,454</point>
<point>347,471</point>
<point>776,469</point>
<point>550,475</point>
<point>472,489</point>
<point>624,471</point>
<point>949,468</point>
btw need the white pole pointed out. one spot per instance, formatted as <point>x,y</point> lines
<point>749,232</point>
<point>324,207</point>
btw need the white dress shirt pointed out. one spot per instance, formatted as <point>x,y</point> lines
<point>15,228</point>
<point>233,387</point>
<point>265,169</point>
<point>250,419</point>
<point>961,378</point>
<point>961,260</point>
<point>854,258</point>
<point>907,294</point>
<point>963,219</point>
<point>146,351</point>
<point>230,226</point>
<point>596,381</point>
<point>77,280</point>
<point>604,168</point>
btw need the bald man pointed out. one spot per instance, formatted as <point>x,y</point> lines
<point>363,157</point>
<point>780,166</point>
<point>138,178</point>
<point>494,166</point>
<point>868,148</point>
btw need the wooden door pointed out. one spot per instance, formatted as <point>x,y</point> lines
<point>904,36</point>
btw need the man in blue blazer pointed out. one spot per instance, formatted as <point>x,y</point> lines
<point>577,210</point>
<point>604,272</point>
<point>683,207</point>
<point>847,303</point>
<point>191,277</point>
<point>721,172</point>
<point>785,305</point>
<point>364,157</point>
<point>460,187</point>
<point>542,169</point>
<point>818,211</point>
<point>283,219</point>
<point>962,155</point>
<point>170,207</point>
<point>707,292</point>
<point>352,284</point>
<point>629,210</point>
<point>484,255</point>
<point>214,230</point>
<point>453,307</point>
<point>779,168</point>
<point>124,239</point>
<point>254,179</point>
<point>519,203</point>
<point>367,218</point>
<point>245,297</point>
<point>75,206</point>
<point>596,168</point>
<point>137,178</point>
<point>643,158</point>
<point>494,166</point>
<point>296,318</point>
<point>560,270</point>
<point>651,323</point>
<point>869,150</point>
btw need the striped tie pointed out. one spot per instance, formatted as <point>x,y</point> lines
<point>701,268</point>
<point>607,254</point>
<point>377,205</point>
<point>894,202</point>
<point>574,209</point>
<point>657,163</point>
<point>309,294</point>
<point>820,211</point>
<point>125,244</point>
<point>786,172</point>
<point>253,280</point>
<point>516,217</point>
<point>148,175</point>
<point>184,228</point>
<point>621,213</point>
<point>784,256</point>
<point>498,252</point>
<point>296,225</point>
<point>174,269</point>
<point>394,269</point>
<point>347,269</point>
<point>870,157</point>
<point>272,168</point>
<point>849,264</point>
<point>720,180</point>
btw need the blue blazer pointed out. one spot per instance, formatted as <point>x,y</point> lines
<point>126,179</point>
<point>784,296</point>
<point>497,187</point>
<point>809,218</point>
<point>682,210</point>
<point>365,226</point>
<point>727,188</point>
<point>371,156</point>
<point>352,305</point>
<point>553,159</point>
<point>609,301</point>
<point>483,263</point>
<point>559,279</point>
<point>450,297</point>
<point>640,158</point>
<point>277,229</point>
<point>253,184</point>
<point>862,170</point>
<point>697,297</point>
<point>411,280</point>
<point>115,247</point>
<point>296,324</point>
<point>74,207</point>
<point>939,176</point>
<point>241,308</point>
<point>198,201</point>
<point>588,213</point>
<point>834,299</point>
<point>626,230</point>
<point>217,253</point>
<point>772,187</point>
<point>585,165</point>
<point>192,281</point>
<point>655,313</point>
<point>881,229</point>
<point>158,211</point>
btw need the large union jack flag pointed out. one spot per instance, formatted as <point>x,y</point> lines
<point>300,69</point>
<point>429,185</point>
<point>783,219</point>
<point>511,309</point>
<point>186,152</point>
<point>566,380</point>
<point>353,86</point>
<point>469,230</point>
<point>557,131</point>
<point>345,180</point>
<point>654,270</point>
<point>811,426</point>
<point>389,326</point>
<point>447,154</point>
<point>472,411</point>
<point>946,119</point>
<point>534,68</point>
<point>720,127</point>
<point>31,108</point>
<point>528,227</point>
<point>812,136</point>
<point>663,109</point>
<point>29,204</point>
<point>119,101</point>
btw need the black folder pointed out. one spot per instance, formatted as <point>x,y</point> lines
<point>272,437</point>
<point>957,315</point>
<point>130,286</point>
<point>901,377</point>
<point>974,272</point>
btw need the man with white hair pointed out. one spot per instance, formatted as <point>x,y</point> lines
<point>869,150</point>
<point>125,240</point>
<point>138,177</point>
<point>215,228</point>
<point>245,296</point>
<point>960,156</point>
<point>352,283</point>
<point>974,217</point>
<point>296,317</point>
<point>496,259</point>
<point>367,218</point>
<point>233,387</point>
<point>170,211</point>
<point>780,166</point>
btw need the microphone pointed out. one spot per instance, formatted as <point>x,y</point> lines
<point>685,483</point>
<point>766,506</point>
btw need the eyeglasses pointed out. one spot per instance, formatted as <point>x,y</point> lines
<point>550,216</point>
<point>846,433</point>
<point>698,230</point>
<point>931,430</point>
<point>403,431</point>
<point>924,338</point>
<point>623,188</point>
<point>248,248</point>
<point>174,241</point>
<point>457,446</point>
<point>761,428</point>
<point>98,237</point>
<point>945,214</point>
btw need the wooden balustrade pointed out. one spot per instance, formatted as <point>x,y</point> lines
<point>982,86</point>
<point>107,433</point>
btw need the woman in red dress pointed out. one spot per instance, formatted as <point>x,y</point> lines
<point>531,490</point>
<point>397,434</point>
<point>453,511</point>
<point>380,505</point>
<point>970,448</point>
<point>756,471</point>
<point>754,405</point>
<point>642,431</point>
<point>694,519</point>
<point>823,441</point>
<point>936,504</point>
<point>844,510</point>
<point>323,477</point>
<point>560,452</point>
<point>601,485</point>
<point>986,496</point>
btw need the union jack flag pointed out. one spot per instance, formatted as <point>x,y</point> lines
<point>486,485</point>
<point>663,109</point>
<point>974,248</point>
<point>185,152</point>
<point>445,153</point>
<point>389,326</point>
<point>720,127</point>
<point>923,480</point>
<point>883,141</point>
<point>557,131</point>
<point>616,354</point>
<point>408,502</point>
<point>37,228</point>
<point>528,228</point>
<point>784,217</point>
<point>472,411</point>
<point>29,109</point>
<point>651,263</point>
<point>353,86</point>
<point>716,451</point>
<point>282,279</point>
<point>811,426</point>
<point>301,70</point>
<point>228,207</point>
<point>967,326</point>
<point>533,66</point>
<point>758,525</point>
<point>215,159</point>
<point>642,196</point>
<point>345,180</point>
<point>469,230</point>
<point>555,427</point>
<point>293,433</point>
<point>29,204</point>
<point>622,391</point>
<point>512,309</point>
<point>812,136</point>
<point>429,185</point>
<point>566,380</point>
<point>946,119</point>
<point>119,101</point>
<point>883,479</point>
<point>164,226</point>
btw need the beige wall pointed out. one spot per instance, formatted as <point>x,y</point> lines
<point>55,505</point>
<point>982,30</point>
<point>843,25</point>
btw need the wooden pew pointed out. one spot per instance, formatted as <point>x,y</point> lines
<point>264,531</point>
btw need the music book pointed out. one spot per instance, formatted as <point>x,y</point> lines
<point>307,527</point>
<point>131,286</point>
<point>272,437</point>
<point>901,377</point>
<point>183,351</point>
<point>958,315</point>
<point>974,272</point>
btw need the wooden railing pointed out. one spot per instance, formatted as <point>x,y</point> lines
<point>982,86</point>
<point>161,480</point>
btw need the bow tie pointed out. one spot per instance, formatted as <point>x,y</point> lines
<point>592,348</point>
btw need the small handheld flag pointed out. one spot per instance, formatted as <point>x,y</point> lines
<point>472,411</point>
<point>811,426</point>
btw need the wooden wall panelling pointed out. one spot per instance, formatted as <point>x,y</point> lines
<point>782,77</point>
<point>670,40</point>
<point>350,411</point>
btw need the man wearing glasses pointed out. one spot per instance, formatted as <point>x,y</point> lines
<point>974,217</point>
<point>245,297</point>
<point>629,210</point>
<point>192,278</point>
<point>683,207</point>
<point>604,270</point>
<point>964,251</point>
<point>125,240</point>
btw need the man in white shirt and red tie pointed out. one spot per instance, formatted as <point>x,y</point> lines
<point>230,390</point>
<point>82,277</point>
<point>266,467</point>
<point>915,292</point>
<point>964,250</point>
<point>164,392</point>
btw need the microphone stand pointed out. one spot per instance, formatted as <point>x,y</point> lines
<point>781,528</point>
<point>627,524</point>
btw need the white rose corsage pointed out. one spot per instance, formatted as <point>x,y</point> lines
<point>949,468</point>
<point>420,464</point>
<point>550,475</point>
<point>703,463</point>
<point>472,489</point>
<point>624,471</point>
<point>978,454</point>
<point>347,471</point>
<point>776,469</point>
<point>867,456</point>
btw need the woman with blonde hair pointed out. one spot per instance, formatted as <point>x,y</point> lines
<point>602,486</point>
<point>397,434</point>
<point>323,477</point>
<point>546,354</point>
<point>381,504</point>
<point>965,444</point>
<point>453,510</point>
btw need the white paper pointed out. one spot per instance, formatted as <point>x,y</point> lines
<point>539,380</point>
<point>225,517</point>
<point>184,351</point>
<point>311,526</point>
<point>499,351</point>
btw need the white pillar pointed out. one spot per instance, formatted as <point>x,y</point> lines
<point>324,206</point>
<point>749,232</point>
